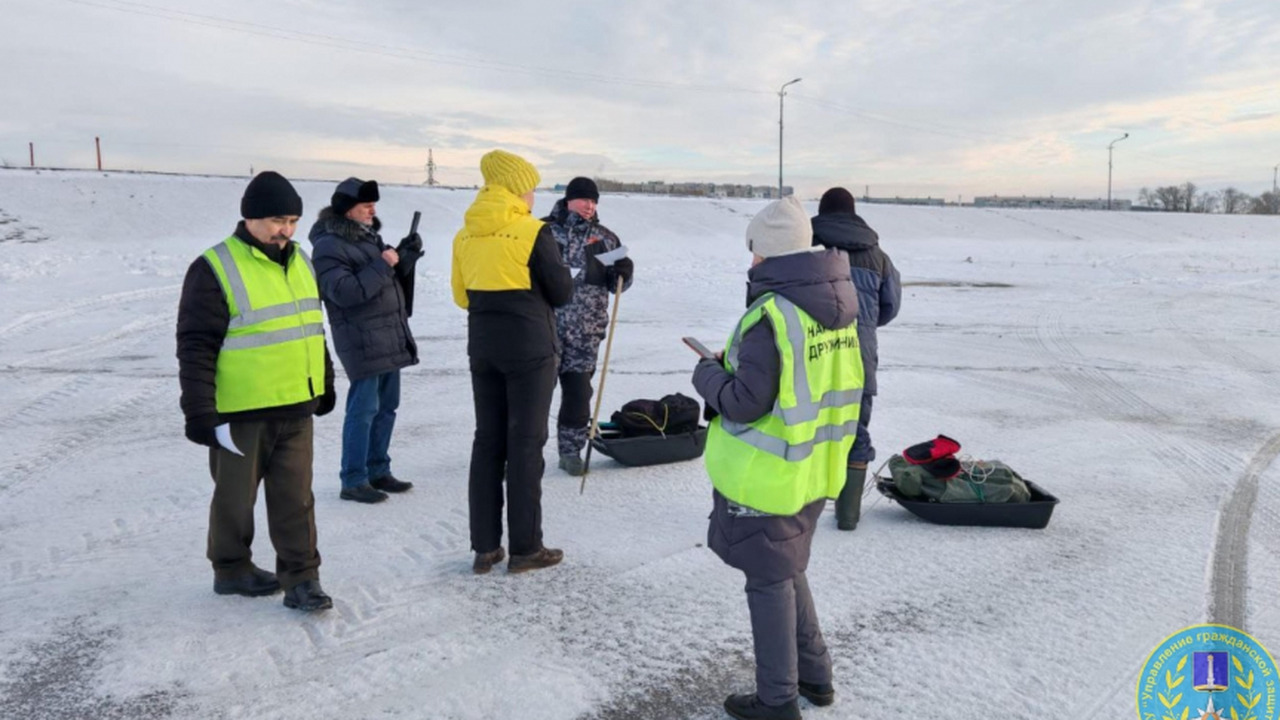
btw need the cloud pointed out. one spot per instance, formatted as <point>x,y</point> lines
<point>894,93</point>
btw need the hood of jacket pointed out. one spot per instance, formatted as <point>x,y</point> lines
<point>844,230</point>
<point>494,208</point>
<point>818,282</point>
<point>562,215</point>
<point>331,223</point>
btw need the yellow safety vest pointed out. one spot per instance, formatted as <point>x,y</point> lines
<point>273,353</point>
<point>798,452</point>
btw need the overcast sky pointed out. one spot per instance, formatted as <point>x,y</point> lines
<point>913,98</point>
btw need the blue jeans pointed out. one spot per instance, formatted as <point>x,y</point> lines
<point>863,450</point>
<point>366,430</point>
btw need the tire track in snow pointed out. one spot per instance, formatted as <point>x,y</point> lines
<point>42,404</point>
<point>88,432</point>
<point>43,318</point>
<point>131,333</point>
<point>1191,460</point>
<point>1229,574</point>
<point>1228,578</point>
<point>1221,350</point>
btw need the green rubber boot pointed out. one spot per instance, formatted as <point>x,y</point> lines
<point>849,504</point>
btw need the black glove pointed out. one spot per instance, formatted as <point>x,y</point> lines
<point>328,401</point>
<point>200,430</point>
<point>709,413</point>
<point>624,269</point>
<point>410,247</point>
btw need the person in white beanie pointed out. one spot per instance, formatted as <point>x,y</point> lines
<point>787,391</point>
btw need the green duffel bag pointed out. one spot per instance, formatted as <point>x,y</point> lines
<point>981,481</point>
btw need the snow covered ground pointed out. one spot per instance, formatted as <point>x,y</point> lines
<point>1130,367</point>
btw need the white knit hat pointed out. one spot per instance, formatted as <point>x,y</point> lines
<point>781,228</point>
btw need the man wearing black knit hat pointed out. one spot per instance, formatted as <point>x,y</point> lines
<point>254,368</point>
<point>365,286</point>
<point>838,225</point>
<point>582,322</point>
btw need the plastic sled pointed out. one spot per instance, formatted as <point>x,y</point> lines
<point>1034,513</point>
<point>650,449</point>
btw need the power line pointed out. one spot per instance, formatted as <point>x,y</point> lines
<point>404,53</point>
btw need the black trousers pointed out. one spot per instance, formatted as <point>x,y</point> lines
<point>575,412</point>
<point>278,454</point>
<point>512,403</point>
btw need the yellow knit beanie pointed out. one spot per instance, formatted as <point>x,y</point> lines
<point>510,171</point>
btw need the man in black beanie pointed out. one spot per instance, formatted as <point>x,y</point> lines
<point>254,368</point>
<point>582,323</point>
<point>365,284</point>
<point>838,225</point>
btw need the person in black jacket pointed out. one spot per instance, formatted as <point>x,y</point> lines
<point>838,225</point>
<point>363,282</point>
<point>508,276</point>
<point>257,378</point>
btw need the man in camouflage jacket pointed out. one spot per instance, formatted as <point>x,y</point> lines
<point>583,322</point>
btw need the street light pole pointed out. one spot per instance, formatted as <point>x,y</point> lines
<point>782,92</point>
<point>1109,154</point>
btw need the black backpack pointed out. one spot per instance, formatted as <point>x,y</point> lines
<point>672,415</point>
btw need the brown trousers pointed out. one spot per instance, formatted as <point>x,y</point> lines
<point>279,452</point>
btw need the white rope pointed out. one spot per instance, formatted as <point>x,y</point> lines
<point>978,471</point>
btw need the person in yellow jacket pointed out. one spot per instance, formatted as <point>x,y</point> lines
<point>787,390</point>
<point>254,369</point>
<point>509,277</point>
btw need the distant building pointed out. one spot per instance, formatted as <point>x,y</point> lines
<point>1050,203</point>
<point>937,202</point>
<point>691,189</point>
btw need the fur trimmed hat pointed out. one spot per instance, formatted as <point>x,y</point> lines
<point>351,192</point>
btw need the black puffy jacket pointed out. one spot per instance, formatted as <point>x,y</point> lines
<point>363,296</point>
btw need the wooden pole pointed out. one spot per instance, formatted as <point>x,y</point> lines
<point>604,372</point>
<point>32,147</point>
<point>97,143</point>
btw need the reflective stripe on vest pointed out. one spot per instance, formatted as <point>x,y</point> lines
<point>798,452</point>
<point>241,315</point>
<point>273,353</point>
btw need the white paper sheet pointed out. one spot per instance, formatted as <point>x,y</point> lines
<point>223,433</point>
<point>612,256</point>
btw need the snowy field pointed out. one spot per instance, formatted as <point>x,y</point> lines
<point>1126,362</point>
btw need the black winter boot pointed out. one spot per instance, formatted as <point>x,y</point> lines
<point>363,494</point>
<point>307,596</point>
<point>749,707</point>
<point>820,694</point>
<point>253,582</point>
<point>390,484</point>
<point>849,504</point>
